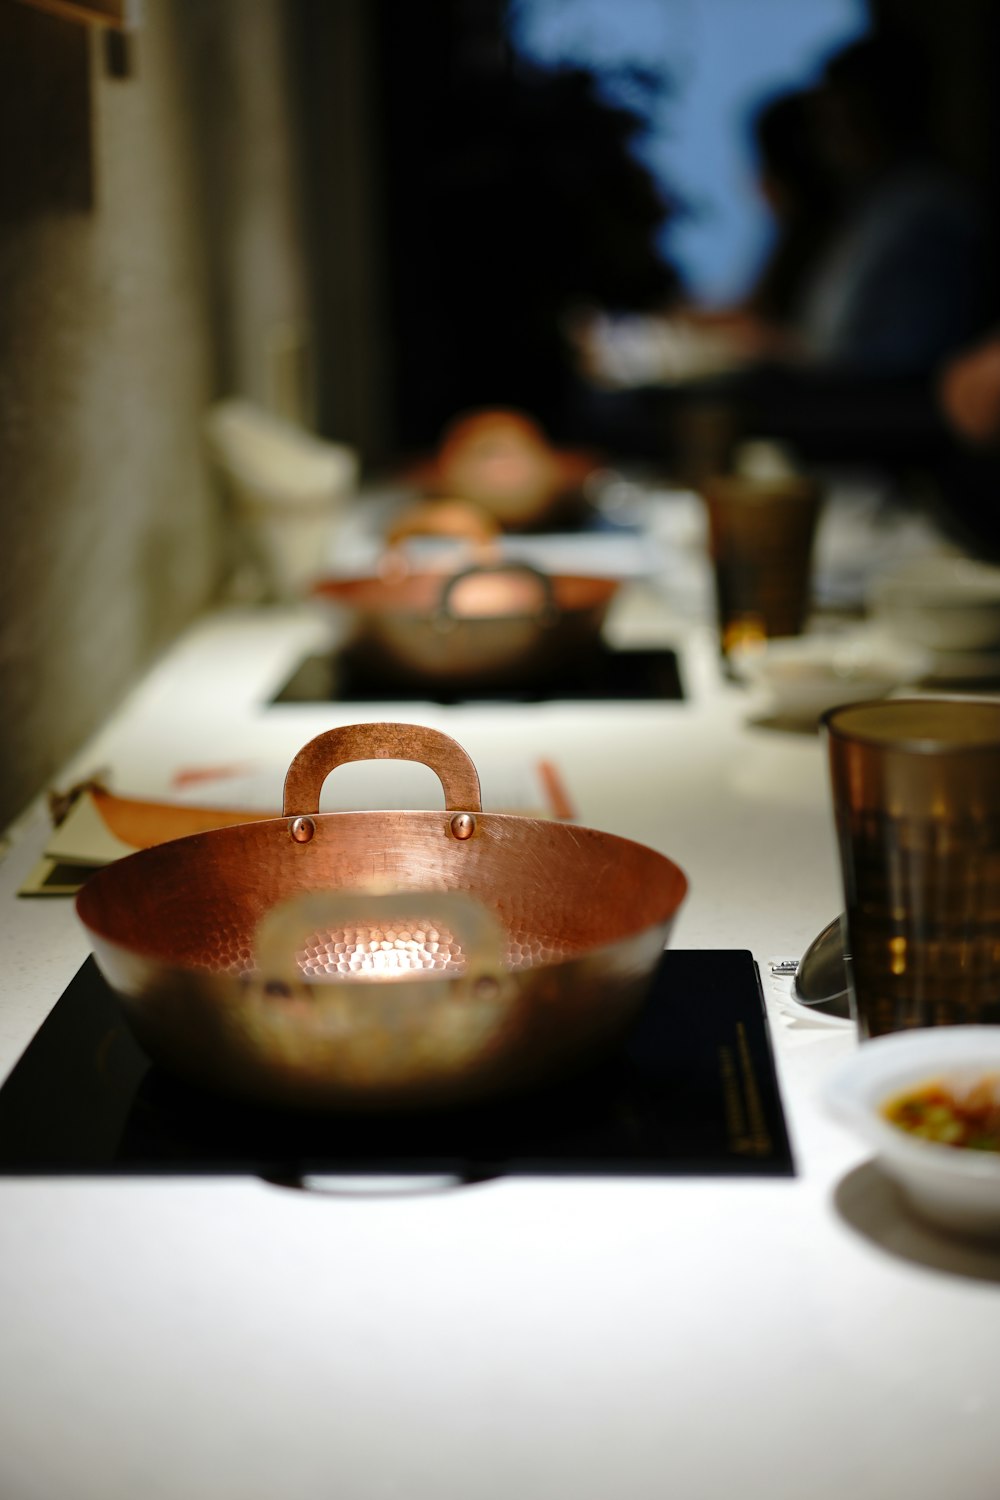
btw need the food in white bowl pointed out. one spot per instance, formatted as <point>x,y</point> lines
<point>800,677</point>
<point>946,603</point>
<point>928,1103</point>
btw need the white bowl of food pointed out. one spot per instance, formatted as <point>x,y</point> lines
<point>800,677</point>
<point>946,603</point>
<point>928,1103</point>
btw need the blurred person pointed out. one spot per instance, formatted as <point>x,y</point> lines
<point>900,285</point>
<point>682,339</point>
<point>801,198</point>
<point>967,475</point>
<point>878,263</point>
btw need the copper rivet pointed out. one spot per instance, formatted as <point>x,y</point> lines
<point>302,829</point>
<point>463,825</point>
<point>485,987</point>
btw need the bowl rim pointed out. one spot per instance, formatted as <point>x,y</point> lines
<point>916,743</point>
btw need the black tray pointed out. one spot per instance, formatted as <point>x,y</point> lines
<point>691,1089</point>
<point>602,674</point>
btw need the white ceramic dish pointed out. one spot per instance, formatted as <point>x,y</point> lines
<point>945,603</point>
<point>800,677</point>
<point>955,1188</point>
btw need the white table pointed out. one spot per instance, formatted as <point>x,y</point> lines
<point>636,1339</point>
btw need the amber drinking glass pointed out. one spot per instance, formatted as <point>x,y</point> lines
<point>916,798</point>
<point>761,534</point>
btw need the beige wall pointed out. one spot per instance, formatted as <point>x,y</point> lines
<point>121,318</point>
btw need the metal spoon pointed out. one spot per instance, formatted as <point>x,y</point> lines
<point>821,977</point>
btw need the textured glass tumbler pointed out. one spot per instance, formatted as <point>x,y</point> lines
<point>761,535</point>
<point>916,799</point>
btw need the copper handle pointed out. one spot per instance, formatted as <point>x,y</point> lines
<point>545,612</point>
<point>335,747</point>
<point>477,935</point>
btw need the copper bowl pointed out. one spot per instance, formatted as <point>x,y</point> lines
<point>381,960</point>
<point>502,461</point>
<point>485,625</point>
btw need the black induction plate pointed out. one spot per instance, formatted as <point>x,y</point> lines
<point>601,675</point>
<point>691,1089</point>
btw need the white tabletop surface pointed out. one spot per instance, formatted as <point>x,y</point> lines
<point>590,1338</point>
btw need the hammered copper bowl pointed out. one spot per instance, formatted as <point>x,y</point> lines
<point>496,624</point>
<point>381,960</point>
<point>502,460</point>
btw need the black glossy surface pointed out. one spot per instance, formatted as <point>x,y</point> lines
<point>691,1089</point>
<point>601,675</point>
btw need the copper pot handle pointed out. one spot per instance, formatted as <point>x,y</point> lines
<point>322,914</point>
<point>335,747</point>
<point>546,612</point>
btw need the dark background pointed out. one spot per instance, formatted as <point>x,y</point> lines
<point>494,199</point>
